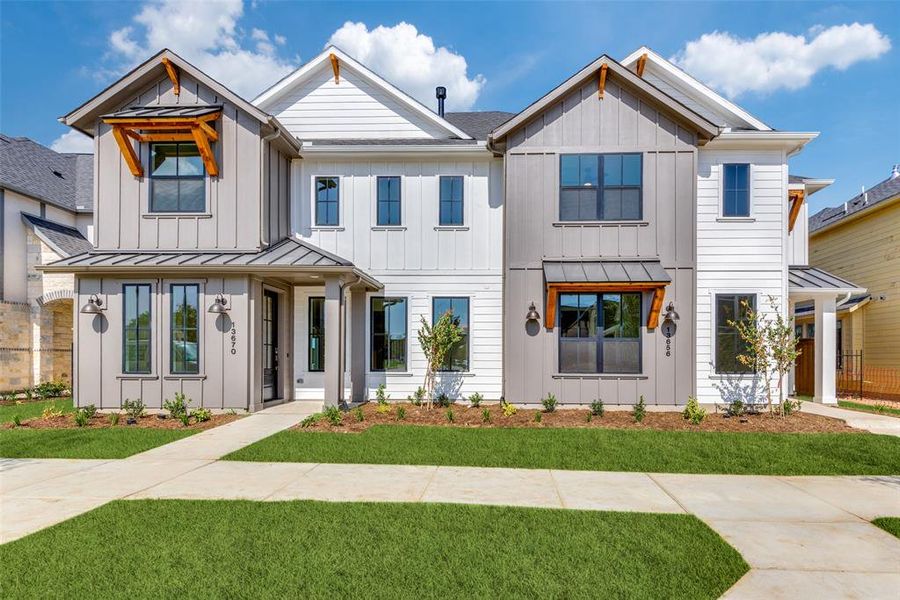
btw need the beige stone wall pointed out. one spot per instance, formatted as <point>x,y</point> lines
<point>15,346</point>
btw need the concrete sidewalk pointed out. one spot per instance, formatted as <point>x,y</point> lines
<point>873,423</point>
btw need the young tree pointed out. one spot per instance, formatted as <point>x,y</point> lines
<point>436,342</point>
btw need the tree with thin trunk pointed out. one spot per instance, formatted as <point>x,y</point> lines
<point>436,342</point>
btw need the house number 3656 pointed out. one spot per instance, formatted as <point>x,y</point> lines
<point>233,339</point>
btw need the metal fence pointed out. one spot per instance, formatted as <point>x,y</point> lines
<point>850,374</point>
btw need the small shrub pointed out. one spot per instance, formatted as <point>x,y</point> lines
<point>201,414</point>
<point>549,403</point>
<point>50,389</point>
<point>135,409</point>
<point>81,418</point>
<point>17,421</point>
<point>485,416</point>
<point>333,414</point>
<point>508,409</point>
<point>401,413</point>
<point>537,417</point>
<point>450,416</point>
<point>311,420</point>
<point>29,394</point>
<point>113,419</point>
<point>475,400</point>
<point>90,410</point>
<point>381,394</point>
<point>51,412</point>
<point>383,409</point>
<point>789,406</point>
<point>597,408</point>
<point>185,419</point>
<point>693,411</point>
<point>443,400</point>
<point>736,409</point>
<point>639,411</point>
<point>417,397</point>
<point>178,406</point>
<point>358,413</point>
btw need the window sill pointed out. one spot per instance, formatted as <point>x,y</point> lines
<point>735,219</point>
<point>327,228</point>
<point>388,228</point>
<point>176,215</point>
<point>731,375</point>
<point>599,376</point>
<point>390,374</point>
<point>599,223</point>
<point>451,228</point>
<point>137,377</point>
<point>188,376</point>
<point>456,373</point>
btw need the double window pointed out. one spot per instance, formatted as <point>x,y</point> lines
<point>316,334</point>
<point>327,201</point>
<point>600,187</point>
<point>184,341</point>
<point>389,333</point>
<point>451,200</point>
<point>458,357</point>
<point>736,190</point>
<point>177,178</point>
<point>730,310</point>
<point>388,201</point>
<point>600,333</point>
<point>136,328</point>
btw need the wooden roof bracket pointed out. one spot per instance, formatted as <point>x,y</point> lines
<point>172,72</point>
<point>601,85</point>
<point>336,67</point>
<point>796,197</point>
<point>641,63</point>
<point>554,289</point>
<point>128,153</point>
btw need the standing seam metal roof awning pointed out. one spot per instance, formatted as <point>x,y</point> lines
<point>605,271</point>
<point>811,279</point>
<point>164,112</point>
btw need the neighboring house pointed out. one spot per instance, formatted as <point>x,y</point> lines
<point>45,214</point>
<point>595,245</point>
<point>860,241</point>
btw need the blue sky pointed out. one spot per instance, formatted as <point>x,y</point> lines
<point>54,56</point>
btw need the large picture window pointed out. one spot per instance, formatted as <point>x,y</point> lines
<point>177,178</point>
<point>458,357</point>
<point>736,191</point>
<point>600,187</point>
<point>388,321</point>
<point>327,201</point>
<point>136,328</point>
<point>317,334</point>
<point>185,329</point>
<point>451,201</point>
<point>388,201</point>
<point>732,308</point>
<point>600,333</point>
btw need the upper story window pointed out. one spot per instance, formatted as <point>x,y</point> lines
<point>388,201</point>
<point>730,310</point>
<point>177,178</point>
<point>451,202</point>
<point>736,190</point>
<point>327,201</point>
<point>600,187</point>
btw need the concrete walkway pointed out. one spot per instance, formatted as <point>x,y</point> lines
<point>874,423</point>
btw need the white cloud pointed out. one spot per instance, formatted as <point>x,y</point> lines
<point>409,60</point>
<point>775,60</point>
<point>206,34</point>
<point>73,141</point>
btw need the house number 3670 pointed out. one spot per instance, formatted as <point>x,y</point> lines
<point>233,339</point>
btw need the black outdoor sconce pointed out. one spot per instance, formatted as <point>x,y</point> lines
<point>532,316</point>
<point>219,305</point>
<point>671,315</point>
<point>94,306</point>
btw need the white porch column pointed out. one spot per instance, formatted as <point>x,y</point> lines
<point>358,344</point>
<point>825,350</point>
<point>334,341</point>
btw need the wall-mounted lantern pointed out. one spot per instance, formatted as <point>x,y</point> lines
<point>532,315</point>
<point>94,306</point>
<point>219,305</point>
<point>671,315</point>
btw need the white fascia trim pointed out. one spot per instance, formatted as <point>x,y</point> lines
<point>479,148</point>
<point>274,92</point>
<point>789,141</point>
<point>700,90</point>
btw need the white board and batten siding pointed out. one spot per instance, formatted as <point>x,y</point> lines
<point>738,255</point>
<point>798,239</point>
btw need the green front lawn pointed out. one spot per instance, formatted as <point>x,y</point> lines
<point>879,409</point>
<point>240,549</point>
<point>111,442</point>
<point>889,524</point>
<point>590,449</point>
<point>32,410</point>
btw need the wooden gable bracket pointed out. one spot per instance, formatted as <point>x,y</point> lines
<point>178,129</point>
<point>336,67</point>
<point>796,197</point>
<point>554,289</point>
<point>641,63</point>
<point>172,72</point>
<point>601,84</point>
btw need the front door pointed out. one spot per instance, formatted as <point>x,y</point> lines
<point>270,345</point>
<point>805,368</point>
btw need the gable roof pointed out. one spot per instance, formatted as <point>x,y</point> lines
<point>83,118</point>
<point>62,239</point>
<point>62,179</point>
<point>703,125</point>
<point>694,88</point>
<point>269,96</point>
<point>888,189</point>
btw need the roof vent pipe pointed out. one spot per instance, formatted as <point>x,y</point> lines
<point>895,172</point>
<point>440,93</point>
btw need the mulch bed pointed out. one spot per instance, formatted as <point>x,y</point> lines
<point>101,421</point>
<point>465,416</point>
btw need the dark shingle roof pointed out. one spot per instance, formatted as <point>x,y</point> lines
<point>63,239</point>
<point>478,124</point>
<point>62,179</point>
<point>887,189</point>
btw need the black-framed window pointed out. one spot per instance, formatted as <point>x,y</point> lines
<point>458,357</point>
<point>316,338</point>
<point>736,190</point>
<point>732,308</point>
<point>328,201</point>
<point>600,187</point>
<point>184,343</point>
<point>451,200</point>
<point>388,200</point>
<point>177,178</point>
<point>389,333</point>
<point>136,328</point>
<point>600,333</point>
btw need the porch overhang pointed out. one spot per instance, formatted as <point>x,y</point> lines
<point>809,283</point>
<point>605,276</point>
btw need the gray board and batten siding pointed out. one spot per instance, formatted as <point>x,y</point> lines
<point>624,121</point>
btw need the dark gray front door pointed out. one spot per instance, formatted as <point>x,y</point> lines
<point>270,345</point>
